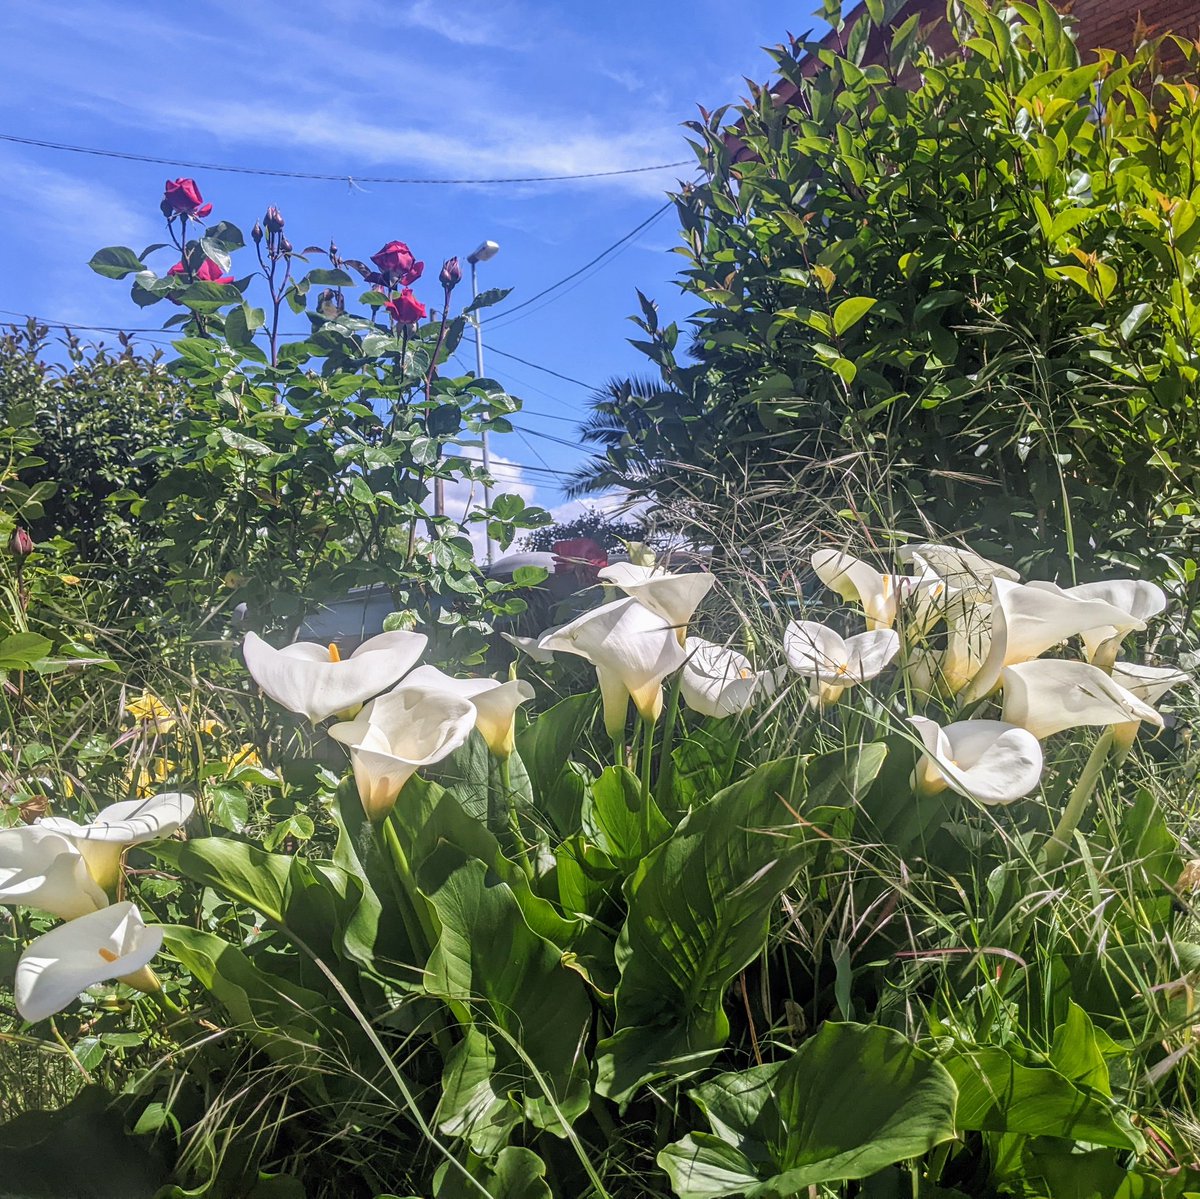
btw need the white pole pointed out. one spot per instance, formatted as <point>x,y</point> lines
<point>487,459</point>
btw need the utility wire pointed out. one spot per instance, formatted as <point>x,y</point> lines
<point>544,369</point>
<point>507,312</point>
<point>273,173</point>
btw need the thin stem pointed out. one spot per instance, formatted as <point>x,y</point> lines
<point>417,922</point>
<point>647,764</point>
<point>666,763</point>
<point>1064,830</point>
<point>514,820</point>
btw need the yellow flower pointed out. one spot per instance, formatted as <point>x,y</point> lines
<point>150,780</point>
<point>244,755</point>
<point>150,711</point>
<point>71,580</point>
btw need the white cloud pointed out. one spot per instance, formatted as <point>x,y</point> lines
<point>463,496</point>
<point>464,24</point>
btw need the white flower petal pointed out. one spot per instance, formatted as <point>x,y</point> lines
<point>55,968</point>
<point>1149,683</point>
<point>399,733</point>
<point>859,582</point>
<point>986,760</point>
<point>961,568</point>
<point>40,868</point>
<point>871,652</point>
<point>495,703</point>
<point>674,597</point>
<point>718,681</point>
<point>304,679</point>
<point>1138,597</point>
<point>1048,695</point>
<point>627,641</point>
<point>1027,619</point>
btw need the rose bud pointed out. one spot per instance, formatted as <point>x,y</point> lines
<point>405,308</point>
<point>20,545</point>
<point>397,265</point>
<point>181,197</point>
<point>285,246</point>
<point>273,221</point>
<point>257,233</point>
<point>451,274</point>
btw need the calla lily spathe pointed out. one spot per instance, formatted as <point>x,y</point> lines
<point>314,681</point>
<point>985,760</point>
<point>398,733</point>
<point>674,597</point>
<point>1149,683</point>
<point>495,703</point>
<point>120,825</point>
<point>632,648</point>
<point>113,942</point>
<point>832,662</point>
<point>1027,619</point>
<point>1049,695</point>
<point>962,569</point>
<point>41,868</point>
<point>718,681</point>
<point>1139,598</point>
<point>858,582</point>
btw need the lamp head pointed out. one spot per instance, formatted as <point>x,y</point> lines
<point>484,251</point>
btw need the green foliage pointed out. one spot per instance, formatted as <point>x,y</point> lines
<point>956,291</point>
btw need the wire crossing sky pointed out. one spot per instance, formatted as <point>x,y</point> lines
<point>552,128</point>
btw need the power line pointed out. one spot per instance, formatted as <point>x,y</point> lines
<point>544,369</point>
<point>274,173</point>
<point>507,312</point>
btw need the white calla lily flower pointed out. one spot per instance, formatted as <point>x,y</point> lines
<point>718,681</point>
<point>1138,597</point>
<point>495,703</point>
<point>120,825</point>
<point>114,942</point>
<point>962,569</point>
<point>985,760</point>
<point>632,648</point>
<point>832,662</point>
<point>315,681</point>
<point>40,868</point>
<point>674,597</point>
<point>398,733</point>
<point>1149,683</point>
<point>1049,695</point>
<point>1027,619</point>
<point>529,645</point>
<point>858,582</point>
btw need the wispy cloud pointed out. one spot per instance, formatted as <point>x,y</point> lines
<point>470,24</point>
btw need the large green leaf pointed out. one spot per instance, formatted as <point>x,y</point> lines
<point>614,817</point>
<point>525,1014</point>
<point>516,1173</point>
<point>999,1094</point>
<point>699,911</point>
<point>851,1101</point>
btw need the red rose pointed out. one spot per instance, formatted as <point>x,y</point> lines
<point>209,272</point>
<point>397,267</point>
<point>182,197</point>
<point>406,308</point>
<point>580,556</point>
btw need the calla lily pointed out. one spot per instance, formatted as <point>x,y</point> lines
<point>1027,619</point>
<point>632,648</point>
<point>833,663</point>
<point>961,568</point>
<point>120,825</point>
<point>718,681</point>
<point>858,582</point>
<point>529,645</point>
<point>112,943</point>
<point>398,733</point>
<point>1139,598</point>
<point>674,597</point>
<point>314,681</point>
<point>1048,695</point>
<point>986,760</point>
<point>495,703</point>
<point>1149,683</point>
<point>42,869</point>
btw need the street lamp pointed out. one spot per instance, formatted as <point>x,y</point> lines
<point>484,251</point>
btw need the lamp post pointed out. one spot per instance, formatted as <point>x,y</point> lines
<point>484,251</point>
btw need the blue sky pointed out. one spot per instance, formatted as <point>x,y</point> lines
<point>381,87</point>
